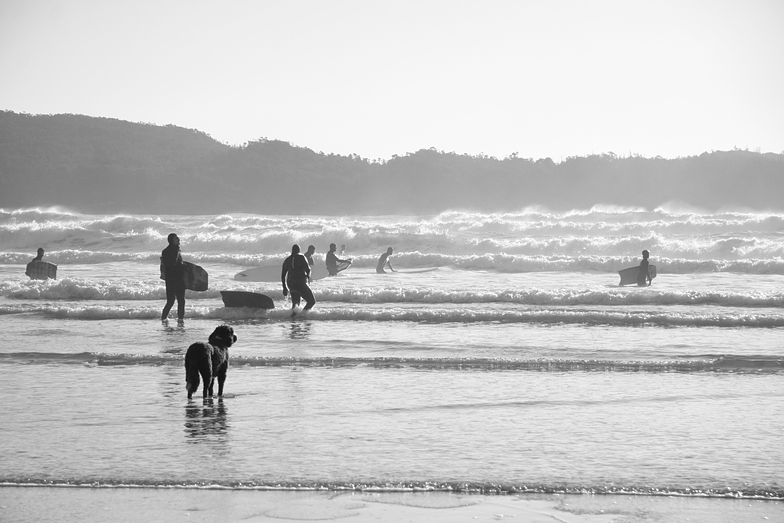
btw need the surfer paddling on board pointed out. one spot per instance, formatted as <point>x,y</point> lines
<point>384,261</point>
<point>296,273</point>
<point>173,271</point>
<point>332,261</point>
<point>644,273</point>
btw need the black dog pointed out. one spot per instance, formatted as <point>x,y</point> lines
<point>210,360</point>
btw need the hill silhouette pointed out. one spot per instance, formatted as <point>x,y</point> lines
<point>105,165</point>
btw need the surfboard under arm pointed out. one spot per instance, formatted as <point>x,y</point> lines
<point>629,276</point>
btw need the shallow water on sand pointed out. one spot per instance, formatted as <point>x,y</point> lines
<point>529,371</point>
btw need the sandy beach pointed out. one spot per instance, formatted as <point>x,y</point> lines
<point>43,504</point>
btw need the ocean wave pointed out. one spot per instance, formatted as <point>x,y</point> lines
<point>741,491</point>
<point>530,232</point>
<point>713,363</point>
<point>75,289</point>
<point>498,262</point>
<point>434,315</point>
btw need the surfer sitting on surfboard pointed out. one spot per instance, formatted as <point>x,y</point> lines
<point>643,275</point>
<point>333,261</point>
<point>296,272</point>
<point>384,260</point>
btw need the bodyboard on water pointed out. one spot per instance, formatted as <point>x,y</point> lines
<point>629,276</point>
<point>194,277</point>
<point>247,299</point>
<point>41,270</point>
<point>271,273</point>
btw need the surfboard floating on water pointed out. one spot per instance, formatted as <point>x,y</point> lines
<point>629,276</point>
<point>271,273</point>
<point>41,270</point>
<point>247,299</point>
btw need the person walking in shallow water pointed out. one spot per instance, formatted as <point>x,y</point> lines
<point>173,272</point>
<point>296,273</point>
<point>644,274</point>
<point>384,261</point>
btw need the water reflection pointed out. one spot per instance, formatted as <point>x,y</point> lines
<point>300,330</point>
<point>206,421</point>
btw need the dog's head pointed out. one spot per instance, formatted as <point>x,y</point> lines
<point>223,335</point>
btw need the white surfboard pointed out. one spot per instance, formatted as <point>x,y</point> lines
<point>629,276</point>
<point>271,273</point>
<point>416,271</point>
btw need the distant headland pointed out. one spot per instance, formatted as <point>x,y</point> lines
<point>104,165</point>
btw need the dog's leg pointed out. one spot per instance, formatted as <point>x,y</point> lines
<point>206,374</point>
<point>221,381</point>
<point>191,375</point>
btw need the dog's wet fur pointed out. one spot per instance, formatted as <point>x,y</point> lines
<point>209,360</point>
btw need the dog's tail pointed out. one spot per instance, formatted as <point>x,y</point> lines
<point>192,369</point>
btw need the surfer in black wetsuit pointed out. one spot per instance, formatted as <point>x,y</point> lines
<point>296,273</point>
<point>309,254</point>
<point>332,261</point>
<point>40,257</point>
<point>644,273</point>
<point>384,261</point>
<point>173,272</point>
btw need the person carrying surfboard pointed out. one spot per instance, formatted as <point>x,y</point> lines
<point>296,273</point>
<point>384,260</point>
<point>332,261</point>
<point>35,271</point>
<point>644,274</point>
<point>173,271</point>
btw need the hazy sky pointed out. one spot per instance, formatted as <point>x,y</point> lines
<point>543,78</point>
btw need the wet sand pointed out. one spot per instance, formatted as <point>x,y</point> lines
<point>86,505</point>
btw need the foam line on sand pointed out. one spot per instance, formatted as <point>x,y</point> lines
<point>192,505</point>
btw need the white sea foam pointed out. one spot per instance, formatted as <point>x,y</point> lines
<point>716,239</point>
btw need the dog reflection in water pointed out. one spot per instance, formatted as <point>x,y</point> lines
<point>209,360</point>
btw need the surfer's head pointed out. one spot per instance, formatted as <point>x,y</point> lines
<point>40,251</point>
<point>311,249</point>
<point>295,249</point>
<point>389,251</point>
<point>645,254</point>
<point>173,239</point>
<point>332,247</point>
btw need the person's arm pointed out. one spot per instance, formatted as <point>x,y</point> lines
<point>283,272</point>
<point>389,263</point>
<point>307,271</point>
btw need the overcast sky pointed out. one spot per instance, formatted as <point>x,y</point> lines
<point>548,78</point>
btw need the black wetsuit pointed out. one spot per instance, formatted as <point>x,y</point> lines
<point>332,263</point>
<point>175,284</point>
<point>642,276</point>
<point>295,274</point>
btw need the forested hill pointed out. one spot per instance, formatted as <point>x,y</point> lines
<point>105,165</point>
